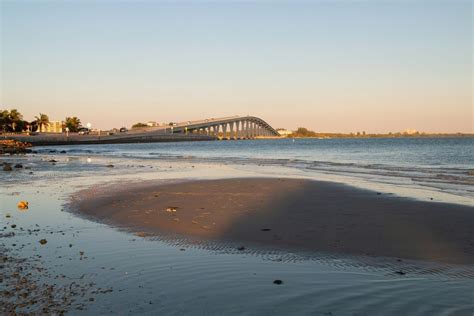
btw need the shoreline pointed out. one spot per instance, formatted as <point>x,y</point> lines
<point>74,139</point>
<point>290,214</point>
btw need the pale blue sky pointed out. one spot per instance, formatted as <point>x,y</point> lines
<point>344,66</point>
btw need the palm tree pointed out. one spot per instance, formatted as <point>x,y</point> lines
<point>4,119</point>
<point>42,120</point>
<point>15,118</point>
<point>73,123</point>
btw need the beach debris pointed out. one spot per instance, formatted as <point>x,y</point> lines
<point>277,281</point>
<point>23,205</point>
<point>43,241</point>
<point>7,167</point>
<point>171,209</point>
<point>8,215</point>
<point>241,248</point>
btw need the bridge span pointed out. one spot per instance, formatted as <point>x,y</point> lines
<point>234,127</point>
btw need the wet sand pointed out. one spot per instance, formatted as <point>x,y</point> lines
<point>291,214</point>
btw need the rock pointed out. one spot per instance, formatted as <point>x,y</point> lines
<point>23,205</point>
<point>18,166</point>
<point>470,173</point>
<point>110,166</point>
<point>7,167</point>
<point>43,241</point>
<point>400,272</point>
<point>52,160</point>
<point>278,282</point>
<point>63,151</point>
<point>13,226</point>
<point>266,229</point>
<point>241,248</point>
<point>171,209</point>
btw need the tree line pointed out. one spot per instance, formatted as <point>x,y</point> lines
<point>11,121</point>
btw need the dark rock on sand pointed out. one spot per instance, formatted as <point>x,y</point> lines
<point>43,241</point>
<point>18,166</point>
<point>7,167</point>
<point>278,282</point>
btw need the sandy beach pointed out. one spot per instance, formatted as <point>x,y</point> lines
<point>291,214</point>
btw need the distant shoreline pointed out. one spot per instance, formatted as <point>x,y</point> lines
<point>74,139</point>
<point>329,136</point>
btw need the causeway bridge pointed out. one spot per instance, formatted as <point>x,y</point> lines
<point>233,127</point>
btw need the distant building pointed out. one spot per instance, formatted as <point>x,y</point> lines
<point>151,124</point>
<point>53,127</point>
<point>411,131</point>
<point>284,132</point>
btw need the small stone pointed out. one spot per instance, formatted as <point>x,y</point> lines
<point>13,226</point>
<point>241,248</point>
<point>22,205</point>
<point>18,166</point>
<point>7,168</point>
<point>278,282</point>
<point>43,241</point>
<point>266,229</point>
<point>63,151</point>
<point>52,160</point>
<point>171,209</point>
<point>400,272</point>
<point>110,166</point>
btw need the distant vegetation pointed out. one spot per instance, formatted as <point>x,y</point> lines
<point>138,125</point>
<point>303,132</point>
<point>12,121</point>
<point>72,123</point>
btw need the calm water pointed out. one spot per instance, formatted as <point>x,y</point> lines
<point>153,276</point>
<point>440,165</point>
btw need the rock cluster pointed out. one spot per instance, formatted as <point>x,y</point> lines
<point>10,146</point>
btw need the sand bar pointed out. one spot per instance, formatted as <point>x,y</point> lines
<point>293,214</point>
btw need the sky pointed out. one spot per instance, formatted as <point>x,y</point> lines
<point>331,66</point>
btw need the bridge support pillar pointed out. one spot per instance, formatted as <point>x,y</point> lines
<point>224,131</point>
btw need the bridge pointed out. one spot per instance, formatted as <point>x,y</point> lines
<point>233,127</point>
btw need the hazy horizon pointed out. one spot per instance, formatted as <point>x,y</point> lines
<point>344,66</point>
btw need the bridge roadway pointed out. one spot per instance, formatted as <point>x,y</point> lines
<point>233,127</point>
